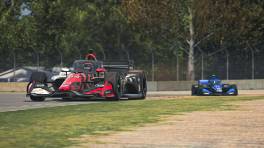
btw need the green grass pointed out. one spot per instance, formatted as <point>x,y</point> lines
<point>52,127</point>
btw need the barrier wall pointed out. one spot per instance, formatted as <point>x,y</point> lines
<point>186,85</point>
<point>154,85</point>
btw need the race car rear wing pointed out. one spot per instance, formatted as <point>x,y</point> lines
<point>118,65</point>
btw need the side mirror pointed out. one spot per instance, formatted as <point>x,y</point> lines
<point>65,70</point>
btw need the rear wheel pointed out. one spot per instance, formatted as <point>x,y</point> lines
<point>144,90</point>
<point>40,77</point>
<point>142,86</point>
<point>136,85</point>
<point>57,83</point>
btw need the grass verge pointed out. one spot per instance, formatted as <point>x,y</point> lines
<point>52,127</point>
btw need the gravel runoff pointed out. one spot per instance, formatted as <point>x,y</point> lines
<point>238,128</point>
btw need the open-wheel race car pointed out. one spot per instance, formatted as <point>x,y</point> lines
<point>91,78</point>
<point>214,86</point>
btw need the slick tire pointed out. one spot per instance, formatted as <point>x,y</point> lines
<point>36,77</point>
<point>194,90</point>
<point>57,83</point>
<point>40,77</point>
<point>143,82</point>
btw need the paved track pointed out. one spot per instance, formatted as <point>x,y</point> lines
<point>18,101</point>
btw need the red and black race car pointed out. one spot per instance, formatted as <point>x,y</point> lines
<point>91,78</point>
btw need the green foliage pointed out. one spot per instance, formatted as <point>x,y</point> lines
<point>124,29</point>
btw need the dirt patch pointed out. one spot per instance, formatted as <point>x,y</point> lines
<point>243,127</point>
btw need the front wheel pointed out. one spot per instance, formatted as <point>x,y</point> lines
<point>37,99</point>
<point>194,90</point>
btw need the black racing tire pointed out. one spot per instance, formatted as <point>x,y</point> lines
<point>194,90</point>
<point>40,77</point>
<point>37,99</point>
<point>37,77</point>
<point>143,82</point>
<point>144,86</point>
<point>236,90</point>
<point>226,87</point>
<point>145,89</point>
<point>57,83</point>
<point>200,92</point>
<point>115,80</point>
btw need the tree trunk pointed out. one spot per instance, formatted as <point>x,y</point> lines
<point>190,73</point>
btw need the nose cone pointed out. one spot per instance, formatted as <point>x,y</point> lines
<point>64,88</point>
<point>217,88</point>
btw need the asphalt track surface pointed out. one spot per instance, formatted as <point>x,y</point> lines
<point>18,101</point>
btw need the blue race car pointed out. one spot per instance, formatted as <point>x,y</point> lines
<point>213,86</point>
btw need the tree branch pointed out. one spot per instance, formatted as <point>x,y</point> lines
<point>206,37</point>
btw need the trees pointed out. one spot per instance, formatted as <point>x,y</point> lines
<point>170,30</point>
<point>11,31</point>
<point>167,22</point>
